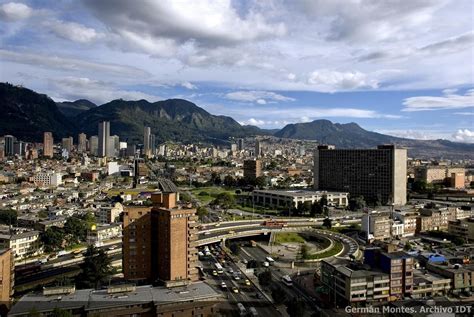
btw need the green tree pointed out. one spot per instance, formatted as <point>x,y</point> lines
<point>327,222</point>
<point>357,203</point>
<point>260,181</point>
<point>278,294</point>
<point>90,220</point>
<point>304,252</point>
<point>8,217</point>
<point>95,270</point>
<point>407,246</point>
<point>295,307</point>
<point>202,212</point>
<point>75,229</point>
<point>230,181</point>
<point>58,312</point>
<point>52,239</point>
<point>224,200</point>
<point>185,197</point>
<point>234,248</point>
<point>265,278</point>
<point>316,209</point>
<point>323,201</point>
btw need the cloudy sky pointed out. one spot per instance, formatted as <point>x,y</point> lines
<point>394,66</point>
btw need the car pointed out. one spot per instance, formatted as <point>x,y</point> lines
<point>231,270</point>
<point>266,264</point>
<point>214,273</point>
<point>235,289</point>
<point>236,277</point>
<point>245,261</point>
<point>247,282</point>
<point>223,285</point>
<point>112,247</point>
<point>259,296</point>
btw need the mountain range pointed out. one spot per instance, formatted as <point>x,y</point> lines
<point>27,114</point>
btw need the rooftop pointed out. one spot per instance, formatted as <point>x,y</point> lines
<point>296,193</point>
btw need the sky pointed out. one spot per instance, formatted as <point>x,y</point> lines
<point>404,68</point>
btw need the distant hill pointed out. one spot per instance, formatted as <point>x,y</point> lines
<point>172,119</point>
<point>27,114</point>
<point>73,108</point>
<point>351,135</point>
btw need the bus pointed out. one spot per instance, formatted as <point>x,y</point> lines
<point>219,268</point>
<point>242,310</point>
<point>286,279</point>
<point>270,260</point>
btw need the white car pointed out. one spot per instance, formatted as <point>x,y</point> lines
<point>231,271</point>
<point>223,285</point>
<point>266,264</point>
<point>236,277</point>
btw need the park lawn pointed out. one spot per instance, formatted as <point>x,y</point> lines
<point>331,252</point>
<point>212,191</point>
<point>288,237</point>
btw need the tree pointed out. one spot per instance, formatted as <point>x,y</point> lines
<point>316,209</point>
<point>306,207</point>
<point>95,270</point>
<point>327,222</point>
<point>234,248</point>
<point>252,264</point>
<point>76,229</point>
<point>229,181</point>
<point>224,200</point>
<point>357,203</point>
<point>278,294</point>
<point>52,239</point>
<point>260,181</point>
<point>304,252</point>
<point>295,307</point>
<point>323,201</point>
<point>89,220</point>
<point>407,246</point>
<point>8,217</point>
<point>185,197</point>
<point>202,212</point>
<point>265,278</point>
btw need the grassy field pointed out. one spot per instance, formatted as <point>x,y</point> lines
<point>211,193</point>
<point>288,237</point>
<point>331,252</point>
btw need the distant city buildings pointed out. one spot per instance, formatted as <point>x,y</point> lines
<point>67,144</point>
<point>379,175</point>
<point>82,143</point>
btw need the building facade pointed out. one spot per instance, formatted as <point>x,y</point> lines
<point>252,169</point>
<point>104,136</point>
<point>376,174</point>
<point>48,144</point>
<point>7,275</point>
<point>288,198</point>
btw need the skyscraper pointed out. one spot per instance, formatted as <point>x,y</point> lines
<point>48,144</point>
<point>376,174</point>
<point>9,141</point>
<point>258,148</point>
<point>104,136</point>
<point>240,144</point>
<point>158,242</point>
<point>252,170</point>
<point>147,142</point>
<point>67,144</point>
<point>94,145</point>
<point>81,143</point>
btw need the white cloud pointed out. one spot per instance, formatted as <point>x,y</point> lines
<point>73,88</point>
<point>189,85</point>
<point>13,11</point>
<point>260,97</point>
<point>335,80</point>
<point>464,135</point>
<point>207,23</point>
<point>70,64</point>
<point>73,31</point>
<point>465,113</point>
<point>449,101</point>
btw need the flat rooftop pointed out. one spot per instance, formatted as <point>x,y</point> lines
<point>89,299</point>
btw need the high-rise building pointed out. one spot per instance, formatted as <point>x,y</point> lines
<point>82,143</point>
<point>158,242</point>
<point>6,275</point>
<point>379,175</point>
<point>252,170</point>
<point>19,148</point>
<point>104,136</point>
<point>9,145</point>
<point>146,142</point>
<point>240,144</point>
<point>258,148</point>
<point>48,144</point>
<point>67,144</point>
<point>94,145</point>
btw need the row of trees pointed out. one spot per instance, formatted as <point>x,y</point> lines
<point>74,232</point>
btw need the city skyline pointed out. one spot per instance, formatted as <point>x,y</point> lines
<point>342,62</point>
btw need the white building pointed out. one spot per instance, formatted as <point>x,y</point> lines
<point>48,179</point>
<point>287,198</point>
<point>112,168</point>
<point>103,233</point>
<point>24,244</point>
